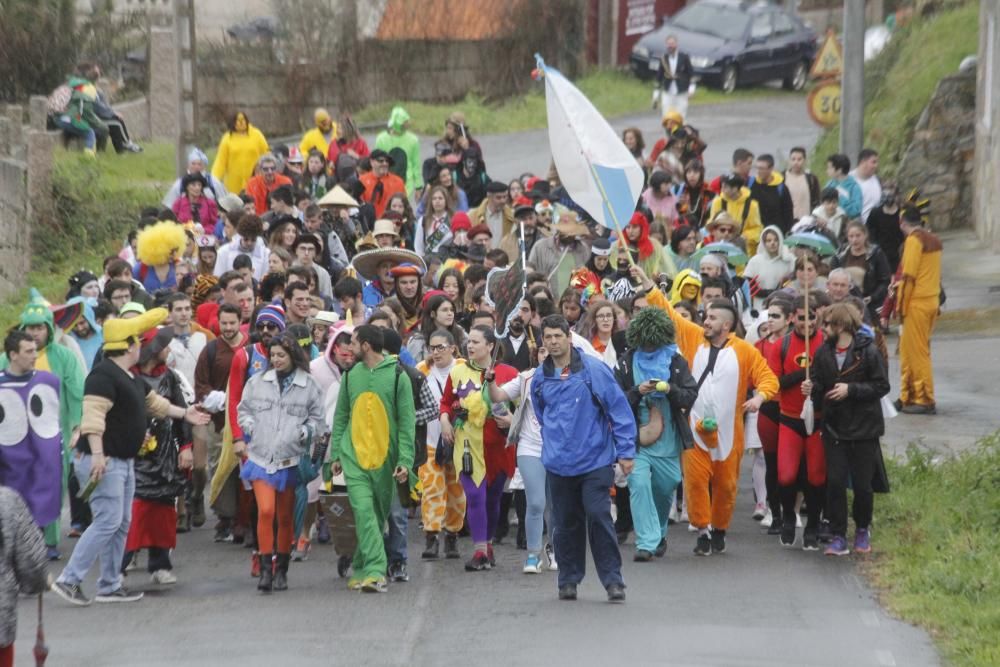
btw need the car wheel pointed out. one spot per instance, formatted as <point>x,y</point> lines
<point>797,81</point>
<point>728,79</point>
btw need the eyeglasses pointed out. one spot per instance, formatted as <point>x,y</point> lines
<point>438,348</point>
<point>267,326</point>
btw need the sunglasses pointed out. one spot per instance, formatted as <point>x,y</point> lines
<point>267,326</point>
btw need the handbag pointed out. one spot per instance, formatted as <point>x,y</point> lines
<point>444,453</point>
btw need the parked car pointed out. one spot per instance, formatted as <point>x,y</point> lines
<point>733,42</point>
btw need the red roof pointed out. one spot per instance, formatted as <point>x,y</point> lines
<point>455,20</point>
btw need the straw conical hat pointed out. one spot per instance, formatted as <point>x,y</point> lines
<point>338,197</point>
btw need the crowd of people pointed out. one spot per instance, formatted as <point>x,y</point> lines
<point>295,326</point>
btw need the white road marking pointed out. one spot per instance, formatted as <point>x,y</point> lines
<point>885,658</point>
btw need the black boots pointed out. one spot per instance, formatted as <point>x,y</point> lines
<point>451,545</point>
<point>265,583</point>
<point>281,573</point>
<point>196,506</point>
<point>432,546</point>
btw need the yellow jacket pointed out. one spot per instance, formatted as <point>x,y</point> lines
<point>752,227</point>
<point>314,139</point>
<point>237,156</point>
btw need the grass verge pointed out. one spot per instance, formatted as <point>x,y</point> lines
<point>613,92</point>
<point>938,534</point>
<point>901,80</point>
<point>96,203</point>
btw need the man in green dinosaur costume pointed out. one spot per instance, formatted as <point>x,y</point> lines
<point>397,135</point>
<point>37,320</point>
<point>372,443</point>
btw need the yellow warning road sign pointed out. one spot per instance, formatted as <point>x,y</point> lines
<point>823,104</point>
<point>830,59</point>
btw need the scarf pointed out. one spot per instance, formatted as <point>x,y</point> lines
<point>653,365</point>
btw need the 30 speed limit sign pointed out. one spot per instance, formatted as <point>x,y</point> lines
<point>823,104</point>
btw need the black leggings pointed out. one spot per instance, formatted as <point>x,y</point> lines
<point>852,460</point>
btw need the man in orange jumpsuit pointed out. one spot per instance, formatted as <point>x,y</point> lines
<point>918,298</point>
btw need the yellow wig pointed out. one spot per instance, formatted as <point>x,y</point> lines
<point>155,243</point>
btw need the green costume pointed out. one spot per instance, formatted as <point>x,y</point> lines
<point>373,432</point>
<point>64,364</point>
<point>397,136</point>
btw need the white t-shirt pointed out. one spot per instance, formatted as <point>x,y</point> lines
<point>529,441</point>
<point>437,378</point>
<point>871,194</point>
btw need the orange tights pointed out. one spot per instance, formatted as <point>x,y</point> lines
<point>273,504</point>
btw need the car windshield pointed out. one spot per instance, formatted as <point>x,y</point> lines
<point>716,20</point>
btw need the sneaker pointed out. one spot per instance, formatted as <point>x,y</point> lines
<point>374,585</point>
<point>431,546</point>
<point>52,553</point>
<point>825,534</point>
<point>692,528</point>
<point>661,548</point>
<point>397,572</point>
<point>810,541</point>
<point>767,520</point>
<point>344,565</point>
<point>672,515</point>
<point>759,512</point>
<point>567,592</point>
<point>718,541</point>
<point>704,545</point>
<point>787,534</point>
<point>323,531</point>
<point>120,594</point>
<point>301,551</point>
<point>918,409</point>
<point>550,555</point>
<point>492,556</point>
<point>837,547</point>
<point>532,564</point>
<point>72,593</point>
<point>863,541</point>
<point>223,534</point>
<point>75,530</point>
<point>616,593</point>
<point>684,515</point>
<point>163,578</point>
<point>479,561</point>
<point>775,527</point>
<point>642,556</point>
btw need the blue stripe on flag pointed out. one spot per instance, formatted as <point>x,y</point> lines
<point>615,184</point>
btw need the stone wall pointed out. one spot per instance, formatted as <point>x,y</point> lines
<point>25,189</point>
<point>940,159</point>
<point>986,174</point>
<point>274,102</point>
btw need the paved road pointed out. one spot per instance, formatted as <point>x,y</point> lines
<point>758,604</point>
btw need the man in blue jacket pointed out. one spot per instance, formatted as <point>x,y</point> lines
<point>587,424</point>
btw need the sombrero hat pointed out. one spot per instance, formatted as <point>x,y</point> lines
<point>365,263</point>
<point>570,225</point>
<point>338,197</point>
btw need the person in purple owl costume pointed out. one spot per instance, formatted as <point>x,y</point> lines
<point>30,442</point>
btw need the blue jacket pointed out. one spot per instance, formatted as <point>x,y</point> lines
<point>586,419</point>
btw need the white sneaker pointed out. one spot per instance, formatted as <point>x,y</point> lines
<point>533,565</point>
<point>163,577</point>
<point>684,515</point>
<point>672,515</point>
<point>759,511</point>
<point>767,520</point>
<point>550,556</point>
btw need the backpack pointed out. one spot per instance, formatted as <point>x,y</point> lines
<point>58,101</point>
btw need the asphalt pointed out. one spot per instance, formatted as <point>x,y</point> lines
<point>757,604</point>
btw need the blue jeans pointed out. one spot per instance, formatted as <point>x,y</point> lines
<point>111,505</point>
<point>651,489</point>
<point>581,507</point>
<point>88,135</point>
<point>395,541</point>
<point>536,493</point>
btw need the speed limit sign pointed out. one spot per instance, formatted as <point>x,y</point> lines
<point>823,104</point>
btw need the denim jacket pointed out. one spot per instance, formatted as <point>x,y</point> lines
<point>280,426</point>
